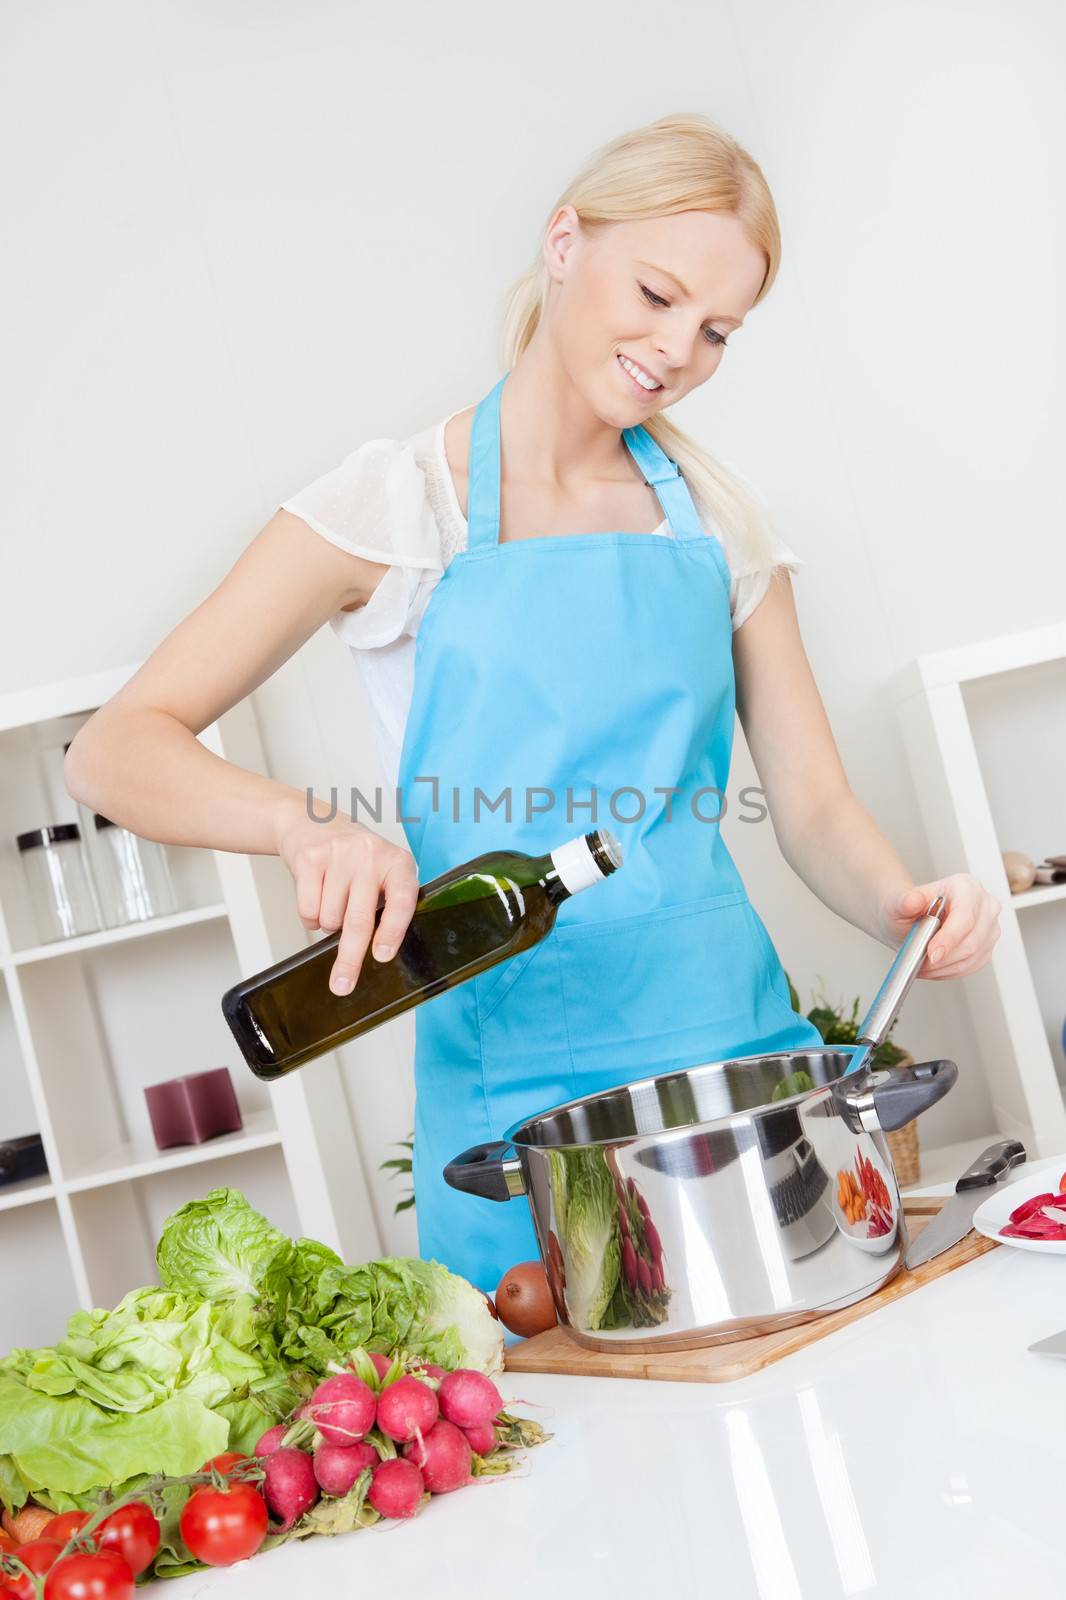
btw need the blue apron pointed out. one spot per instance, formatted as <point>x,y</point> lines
<point>584,679</point>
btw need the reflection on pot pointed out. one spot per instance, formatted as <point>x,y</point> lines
<point>605,1264</point>
<point>866,1211</point>
<point>796,1181</point>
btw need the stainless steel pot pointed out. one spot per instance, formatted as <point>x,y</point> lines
<point>707,1205</point>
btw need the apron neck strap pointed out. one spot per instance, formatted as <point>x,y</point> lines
<point>483,482</point>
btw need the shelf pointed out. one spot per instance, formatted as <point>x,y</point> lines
<point>141,1160</point>
<point>109,936</point>
<point>25,1193</point>
<point>87,1024</point>
<point>1038,896</point>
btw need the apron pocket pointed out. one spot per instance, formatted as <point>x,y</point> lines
<point>672,987</point>
<point>525,1049</point>
<point>492,986</point>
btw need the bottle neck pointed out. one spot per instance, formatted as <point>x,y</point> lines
<point>554,887</point>
<point>542,870</point>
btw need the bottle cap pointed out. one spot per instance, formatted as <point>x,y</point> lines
<point>587,859</point>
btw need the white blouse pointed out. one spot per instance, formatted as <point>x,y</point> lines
<point>394,502</point>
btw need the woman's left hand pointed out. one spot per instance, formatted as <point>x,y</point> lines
<point>969,924</point>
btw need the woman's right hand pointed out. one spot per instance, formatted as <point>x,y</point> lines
<point>342,869</point>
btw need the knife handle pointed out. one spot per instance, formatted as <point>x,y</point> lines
<point>991,1164</point>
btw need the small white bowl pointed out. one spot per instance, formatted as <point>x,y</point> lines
<point>855,1233</point>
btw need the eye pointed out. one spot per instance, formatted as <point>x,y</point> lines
<point>713,336</point>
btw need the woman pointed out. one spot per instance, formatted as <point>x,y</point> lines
<point>553,593</point>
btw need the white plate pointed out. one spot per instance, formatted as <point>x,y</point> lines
<point>995,1212</point>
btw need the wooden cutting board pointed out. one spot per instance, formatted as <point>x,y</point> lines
<point>555,1351</point>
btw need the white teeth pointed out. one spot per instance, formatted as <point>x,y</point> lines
<point>645,383</point>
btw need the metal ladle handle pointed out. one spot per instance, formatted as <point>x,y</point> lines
<point>901,974</point>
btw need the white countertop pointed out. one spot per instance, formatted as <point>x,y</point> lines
<point>916,1454</point>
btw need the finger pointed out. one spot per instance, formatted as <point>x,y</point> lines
<point>973,953</point>
<point>956,927</point>
<point>400,887</point>
<point>309,895</point>
<point>356,933</point>
<point>336,888</point>
<point>914,901</point>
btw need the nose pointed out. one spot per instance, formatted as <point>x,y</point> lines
<point>673,351</point>
<point>677,346</point>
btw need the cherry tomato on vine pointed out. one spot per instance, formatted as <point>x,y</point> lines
<point>87,1576</point>
<point>221,1526</point>
<point>132,1531</point>
<point>64,1525</point>
<point>225,1462</point>
<point>39,1555</point>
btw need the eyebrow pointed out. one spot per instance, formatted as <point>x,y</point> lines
<point>673,276</point>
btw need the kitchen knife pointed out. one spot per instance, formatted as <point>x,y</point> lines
<point>954,1220</point>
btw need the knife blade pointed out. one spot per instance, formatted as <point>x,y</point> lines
<point>1053,1345</point>
<point>955,1219</point>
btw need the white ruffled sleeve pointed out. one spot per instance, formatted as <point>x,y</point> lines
<point>374,505</point>
<point>748,584</point>
<point>748,588</point>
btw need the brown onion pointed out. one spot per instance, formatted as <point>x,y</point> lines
<point>27,1524</point>
<point>524,1301</point>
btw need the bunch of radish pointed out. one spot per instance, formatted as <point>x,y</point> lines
<point>642,1251</point>
<point>417,1433</point>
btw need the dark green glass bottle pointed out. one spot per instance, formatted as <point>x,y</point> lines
<point>466,920</point>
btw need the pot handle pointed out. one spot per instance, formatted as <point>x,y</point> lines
<point>882,1101</point>
<point>484,1170</point>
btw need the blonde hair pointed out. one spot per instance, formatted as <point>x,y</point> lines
<point>682,162</point>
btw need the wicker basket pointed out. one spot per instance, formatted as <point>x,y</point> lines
<point>903,1147</point>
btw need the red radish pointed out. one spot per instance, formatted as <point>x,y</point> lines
<point>427,1369</point>
<point>343,1409</point>
<point>644,1208</point>
<point>396,1489</point>
<point>289,1485</point>
<point>657,1280</point>
<point>444,1457</point>
<point>655,1244</point>
<point>467,1398</point>
<point>629,1263</point>
<point>272,1439</point>
<point>336,1466</point>
<point>481,1438</point>
<point>643,1275</point>
<point>407,1407</point>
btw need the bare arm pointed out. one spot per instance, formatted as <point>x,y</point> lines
<point>826,835</point>
<point>138,760</point>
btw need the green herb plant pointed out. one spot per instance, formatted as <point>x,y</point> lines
<point>402,1164</point>
<point>838,1027</point>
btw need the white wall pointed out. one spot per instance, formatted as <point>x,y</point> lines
<point>243,238</point>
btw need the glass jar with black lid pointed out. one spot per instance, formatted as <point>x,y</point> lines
<point>64,899</point>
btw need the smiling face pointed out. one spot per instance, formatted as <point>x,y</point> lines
<point>662,295</point>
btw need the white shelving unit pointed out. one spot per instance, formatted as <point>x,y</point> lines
<point>985,730</point>
<point>87,1023</point>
